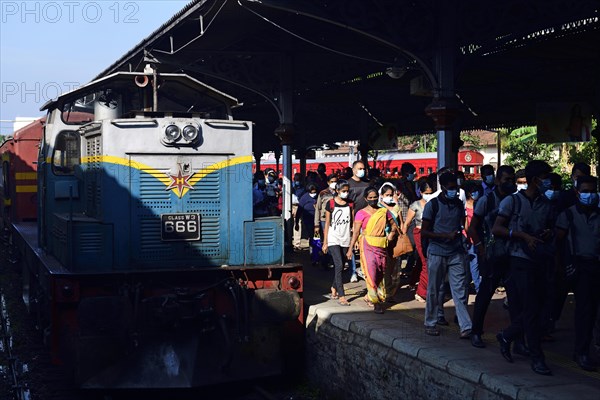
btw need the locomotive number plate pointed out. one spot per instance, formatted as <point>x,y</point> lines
<point>180,227</point>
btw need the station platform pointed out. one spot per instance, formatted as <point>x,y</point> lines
<point>353,353</point>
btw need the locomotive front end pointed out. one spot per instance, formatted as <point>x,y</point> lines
<point>147,208</point>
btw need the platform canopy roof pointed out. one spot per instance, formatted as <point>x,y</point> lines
<point>351,65</point>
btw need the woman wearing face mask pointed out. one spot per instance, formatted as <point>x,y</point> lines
<point>372,223</point>
<point>415,212</point>
<point>388,198</point>
<point>322,200</point>
<point>337,235</point>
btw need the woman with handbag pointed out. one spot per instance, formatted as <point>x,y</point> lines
<point>374,224</point>
<point>415,211</point>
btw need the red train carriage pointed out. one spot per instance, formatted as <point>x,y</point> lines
<point>18,184</point>
<point>469,161</point>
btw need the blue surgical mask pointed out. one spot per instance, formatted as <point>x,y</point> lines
<point>360,173</point>
<point>313,195</point>
<point>451,194</point>
<point>551,194</point>
<point>475,195</point>
<point>411,177</point>
<point>588,199</point>
<point>489,180</point>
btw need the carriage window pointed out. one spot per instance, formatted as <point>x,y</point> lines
<point>66,153</point>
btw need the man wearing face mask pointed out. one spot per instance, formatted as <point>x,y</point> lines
<point>579,225</point>
<point>568,198</point>
<point>492,253</point>
<point>521,180</point>
<point>488,179</point>
<point>445,255</point>
<point>523,221</point>
<point>358,184</point>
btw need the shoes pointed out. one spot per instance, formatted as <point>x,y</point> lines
<point>539,367</point>
<point>521,348</point>
<point>432,331</point>
<point>477,341</point>
<point>584,362</point>
<point>378,308</point>
<point>419,298</point>
<point>442,321</point>
<point>504,347</point>
<point>466,334</point>
<point>353,278</point>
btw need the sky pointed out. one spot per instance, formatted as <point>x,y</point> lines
<point>50,47</point>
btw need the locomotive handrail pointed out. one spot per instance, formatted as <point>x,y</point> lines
<point>216,122</point>
<point>145,121</point>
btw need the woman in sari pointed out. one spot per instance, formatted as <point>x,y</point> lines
<point>388,198</point>
<point>374,224</point>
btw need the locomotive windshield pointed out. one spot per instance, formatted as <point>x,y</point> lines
<point>126,95</point>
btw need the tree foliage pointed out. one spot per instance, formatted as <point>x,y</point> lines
<point>521,146</point>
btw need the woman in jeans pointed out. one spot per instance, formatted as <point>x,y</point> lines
<point>337,235</point>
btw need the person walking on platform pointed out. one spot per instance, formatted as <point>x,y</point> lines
<point>442,226</point>
<point>580,226</point>
<point>388,198</point>
<point>415,214</point>
<point>322,200</point>
<point>337,235</point>
<point>376,228</point>
<point>358,184</point>
<point>523,220</point>
<point>492,252</point>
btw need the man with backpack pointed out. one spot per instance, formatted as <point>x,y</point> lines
<point>523,220</point>
<point>580,226</point>
<point>442,226</point>
<point>492,252</point>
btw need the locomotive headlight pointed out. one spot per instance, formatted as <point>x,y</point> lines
<point>190,133</point>
<point>172,133</point>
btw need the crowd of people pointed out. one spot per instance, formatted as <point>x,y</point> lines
<point>517,230</point>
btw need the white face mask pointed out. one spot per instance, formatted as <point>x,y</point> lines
<point>521,186</point>
<point>428,197</point>
<point>360,173</point>
<point>388,200</point>
<point>343,195</point>
<point>313,195</point>
<point>332,185</point>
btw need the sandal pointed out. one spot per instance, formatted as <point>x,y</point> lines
<point>432,331</point>
<point>369,303</point>
<point>344,302</point>
<point>334,294</point>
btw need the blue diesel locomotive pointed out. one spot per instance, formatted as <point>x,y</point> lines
<point>145,267</point>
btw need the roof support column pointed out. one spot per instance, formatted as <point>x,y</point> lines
<point>444,108</point>
<point>285,131</point>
